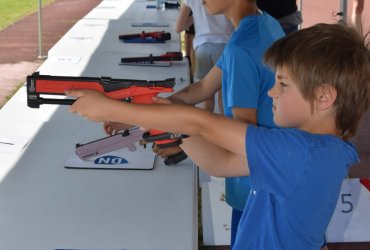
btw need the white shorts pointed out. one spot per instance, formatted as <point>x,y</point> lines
<point>206,56</point>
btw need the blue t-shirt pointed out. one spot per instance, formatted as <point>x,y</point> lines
<point>245,82</point>
<point>295,181</point>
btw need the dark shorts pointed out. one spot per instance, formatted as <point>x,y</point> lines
<point>190,30</point>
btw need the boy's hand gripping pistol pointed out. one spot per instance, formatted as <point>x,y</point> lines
<point>135,91</point>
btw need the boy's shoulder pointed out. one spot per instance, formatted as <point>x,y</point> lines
<point>262,20</point>
<point>298,139</point>
<point>291,147</point>
<point>257,30</point>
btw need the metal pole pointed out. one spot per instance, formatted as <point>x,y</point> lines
<point>300,9</point>
<point>40,28</point>
<point>343,11</point>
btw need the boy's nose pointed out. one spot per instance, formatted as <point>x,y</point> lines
<point>272,92</point>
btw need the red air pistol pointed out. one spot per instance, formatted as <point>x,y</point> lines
<point>135,91</point>
<point>167,57</point>
<point>157,36</point>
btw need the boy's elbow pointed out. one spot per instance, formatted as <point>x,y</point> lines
<point>218,175</point>
<point>222,174</point>
<point>179,29</point>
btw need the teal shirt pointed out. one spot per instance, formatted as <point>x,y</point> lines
<point>245,82</point>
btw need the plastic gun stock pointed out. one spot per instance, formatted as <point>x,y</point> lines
<point>104,145</point>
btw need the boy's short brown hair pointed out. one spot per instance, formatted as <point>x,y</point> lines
<point>333,54</point>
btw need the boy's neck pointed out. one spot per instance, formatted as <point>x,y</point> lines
<point>240,10</point>
<point>322,126</point>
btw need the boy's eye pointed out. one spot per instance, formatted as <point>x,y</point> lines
<point>283,84</point>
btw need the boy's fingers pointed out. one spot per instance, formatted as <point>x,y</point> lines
<point>160,100</point>
<point>72,109</point>
<point>74,92</point>
<point>143,129</point>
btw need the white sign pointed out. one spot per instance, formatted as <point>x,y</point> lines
<point>141,158</point>
<point>351,219</point>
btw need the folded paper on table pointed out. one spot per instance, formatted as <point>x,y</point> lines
<point>14,137</point>
<point>65,59</point>
<point>149,24</point>
<point>12,145</point>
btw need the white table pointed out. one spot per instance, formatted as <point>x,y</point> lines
<point>89,36</point>
<point>98,31</point>
<point>44,206</point>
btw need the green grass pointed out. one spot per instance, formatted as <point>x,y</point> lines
<point>13,10</point>
<point>7,98</point>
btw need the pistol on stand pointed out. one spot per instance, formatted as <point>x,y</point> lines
<point>151,60</point>
<point>169,5</point>
<point>146,37</point>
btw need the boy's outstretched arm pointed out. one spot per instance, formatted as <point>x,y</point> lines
<point>227,134</point>
<point>213,159</point>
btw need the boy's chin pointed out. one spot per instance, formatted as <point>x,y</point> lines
<point>210,12</point>
<point>278,123</point>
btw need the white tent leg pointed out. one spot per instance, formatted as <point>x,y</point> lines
<point>40,28</point>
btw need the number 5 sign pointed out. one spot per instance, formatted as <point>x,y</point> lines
<point>351,218</point>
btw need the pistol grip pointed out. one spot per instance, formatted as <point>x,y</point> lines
<point>175,158</point>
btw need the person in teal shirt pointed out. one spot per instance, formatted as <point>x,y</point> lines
<point>245,82</point>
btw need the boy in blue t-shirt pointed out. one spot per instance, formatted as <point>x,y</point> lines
<point>244,80</point>
<point>321,92</point>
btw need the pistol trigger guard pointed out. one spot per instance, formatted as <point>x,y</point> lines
<point>159,139</point>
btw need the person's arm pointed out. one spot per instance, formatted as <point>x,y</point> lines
<point>213,159</point>
<point>228,135</point>
<point>184,20</point>
<point>201,90</point>
<point>357,9</point>
<point>247,115</point>
<point>112,128</point>
<point>202,152</point>
<point>191,95</point>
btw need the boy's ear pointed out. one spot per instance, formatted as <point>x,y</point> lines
<point>326,95</point>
